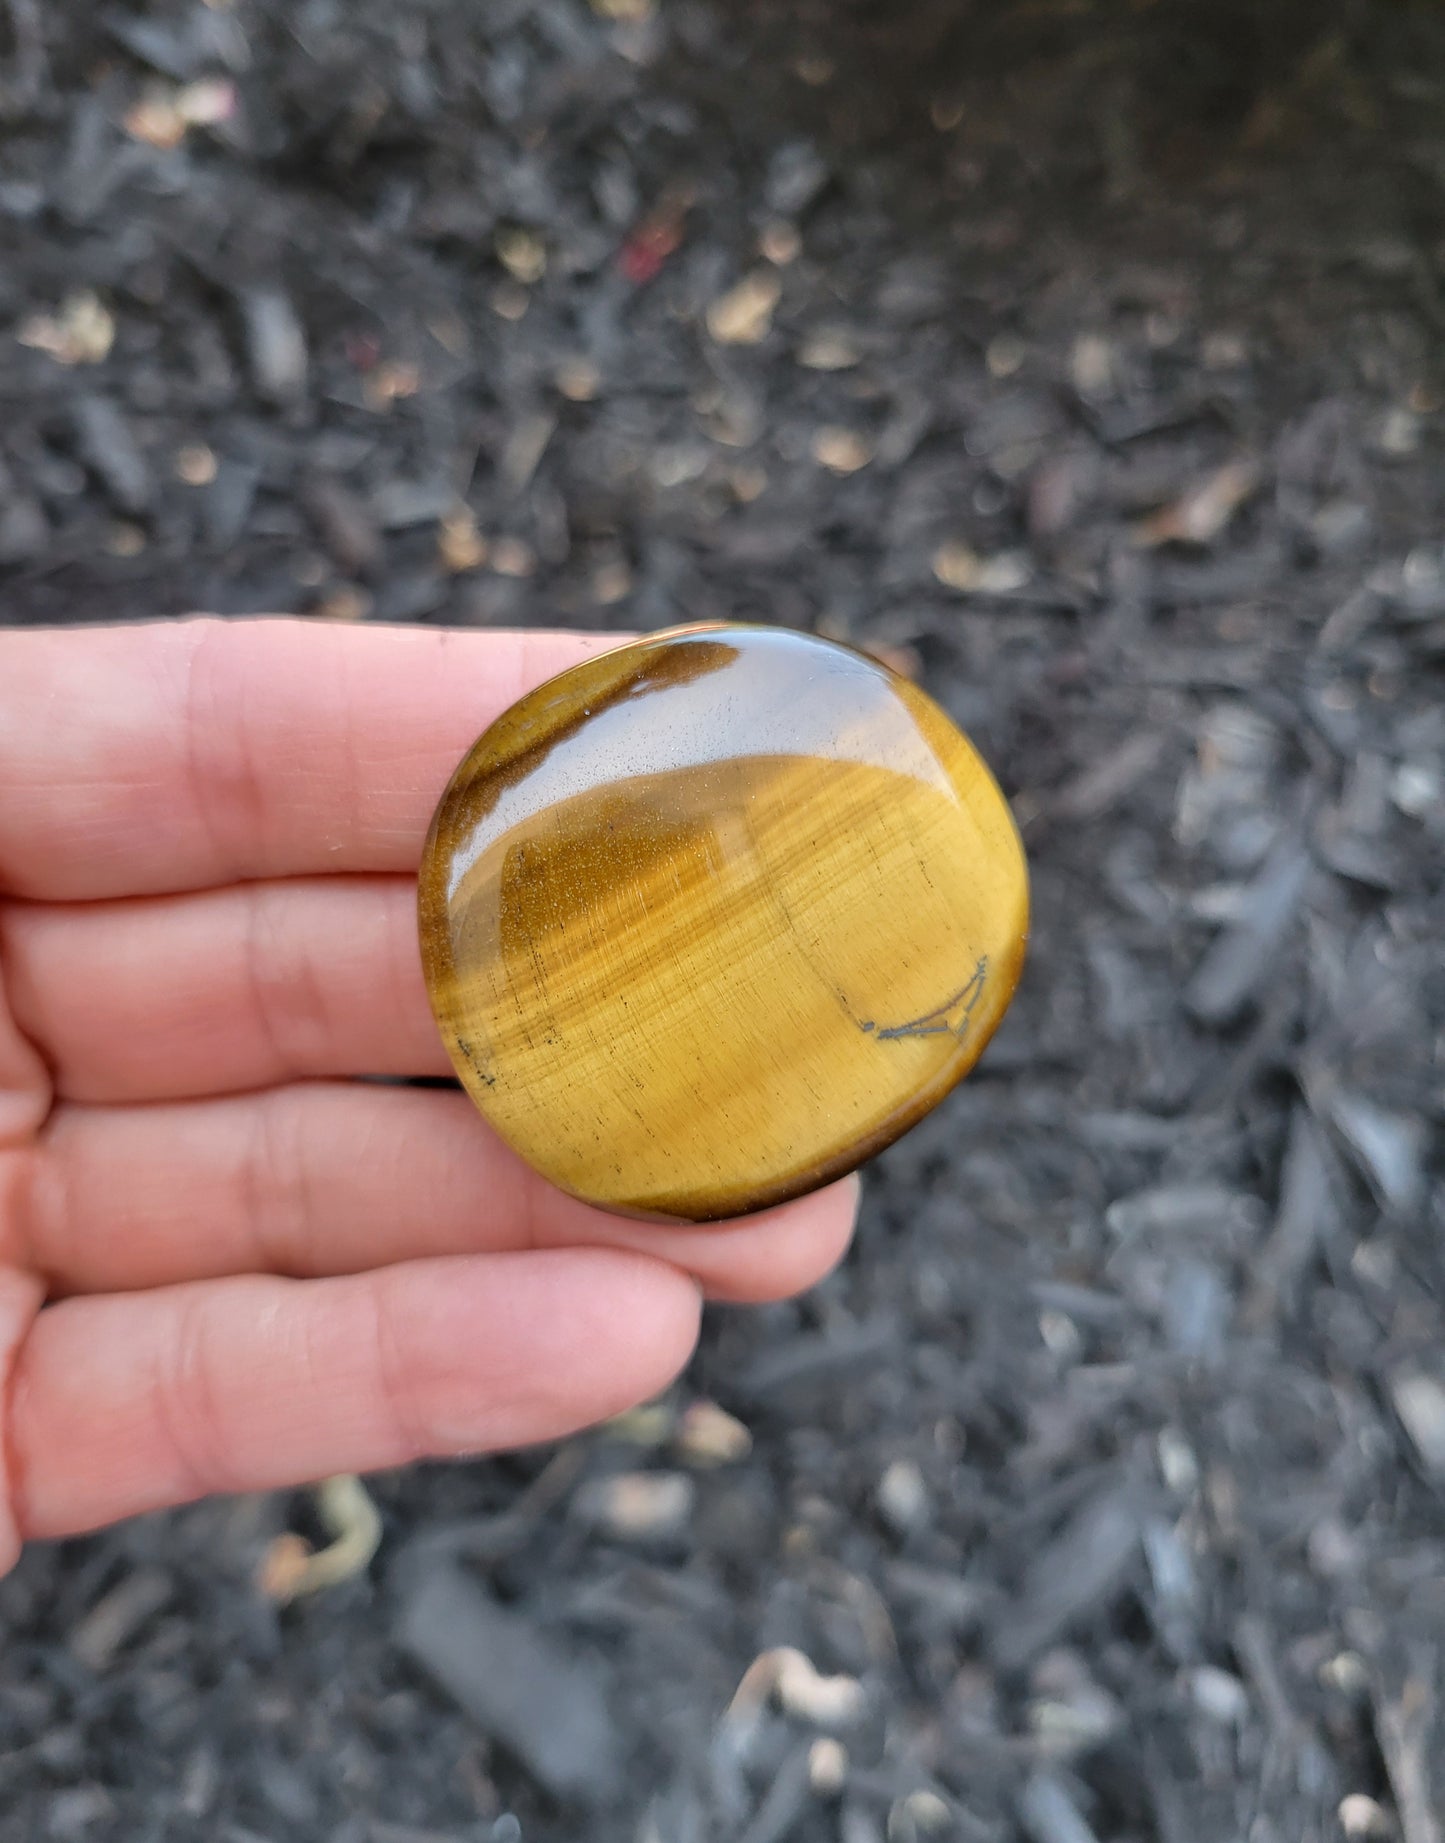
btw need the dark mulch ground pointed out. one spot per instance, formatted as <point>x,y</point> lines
<point>1097,373</point>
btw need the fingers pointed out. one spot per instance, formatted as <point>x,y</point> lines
<point>20,1299</point>
<point>25,1091</point>
<point>324,1179</point>
<point>124,1405</point>
<point>186,755</point>
<point>224,991</point>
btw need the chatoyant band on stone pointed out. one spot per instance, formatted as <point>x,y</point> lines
<point>711,918</point>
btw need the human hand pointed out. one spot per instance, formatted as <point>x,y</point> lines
<point>224,1265</point>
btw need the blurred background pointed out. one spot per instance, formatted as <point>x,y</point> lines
<point>1083,358</point>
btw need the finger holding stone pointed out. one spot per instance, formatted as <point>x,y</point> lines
<point>333,1178</point>
<point>157,998</point>
<point>190,754</point>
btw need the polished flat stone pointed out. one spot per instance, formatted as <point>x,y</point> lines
<point>713,917</point>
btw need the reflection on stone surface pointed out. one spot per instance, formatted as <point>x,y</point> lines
<point>709,919</point>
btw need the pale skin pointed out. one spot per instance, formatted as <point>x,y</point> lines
<point>225,1263</point>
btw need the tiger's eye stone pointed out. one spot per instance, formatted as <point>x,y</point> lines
<point>712,917</point>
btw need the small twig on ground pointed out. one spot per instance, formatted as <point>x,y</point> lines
<point>293,1568</point>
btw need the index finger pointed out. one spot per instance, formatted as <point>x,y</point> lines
<point>187,754</point>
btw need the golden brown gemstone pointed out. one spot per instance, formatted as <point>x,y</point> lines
<point>711,918</point>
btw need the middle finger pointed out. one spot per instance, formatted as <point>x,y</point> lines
<point>164,997</point>
<point>329,1178</point>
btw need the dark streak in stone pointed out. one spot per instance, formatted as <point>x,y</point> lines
<point>473,1064</point>
<point>951,1017</point>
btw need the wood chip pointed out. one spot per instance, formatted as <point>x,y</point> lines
<point>521,1686</point>
<point>744,315</point>
<point>164,116</point>
<point>578,380</point>
<point>513,557</point>
<point>921,1813</point>
<point>1406,1728</point>
<point>115,1618</point>
<point>1049,1815</point>
<point>959,567</point>
<point>1200,515</point>
<point>651,1423</point>
<point>276,343</point>
<point>1091,365</point>
<point>391,381</point>
<point>196,464</point>
<point>828,351</point>
<point>524,448</point>
<point>780,243</point>
<point>522,253</point>
<point>827,1766</point>
<point>1243,956</point>
<point>460,545</point>
<point>510,300</point>
<point>1361,1816</point>
<point>637,1505</point>
<point>708,1435</point>
<point>841,451</point>
<point>801,1690</point>
<point>611,583</point>
<point>1005,355</point>
<point>80,332</point>
<point>1420,1403</point>
<point>1080,1571</point>
<point>902,1496</point>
